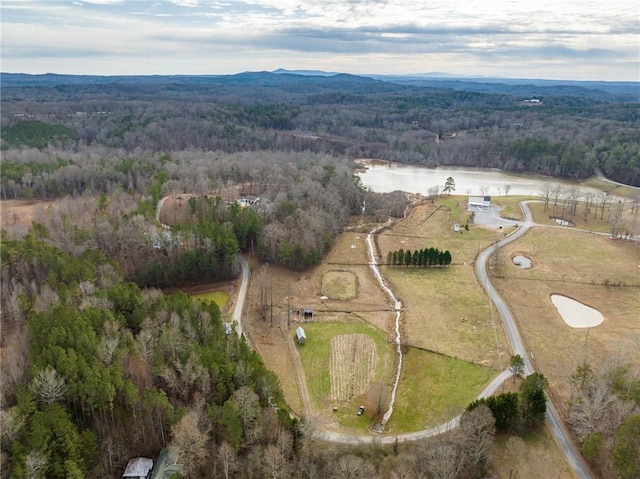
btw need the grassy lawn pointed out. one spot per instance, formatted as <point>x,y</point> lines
<point>221,298</point>
<point>435,388</point>
<point>315,354</point>
<point>611,188</point>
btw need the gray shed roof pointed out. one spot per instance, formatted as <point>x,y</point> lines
<point>138,467</point>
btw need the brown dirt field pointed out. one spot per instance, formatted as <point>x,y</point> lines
<point>16,214</point>
<point>352,365</point>
<point>577,265</point>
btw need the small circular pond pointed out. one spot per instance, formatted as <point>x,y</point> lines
<point>576,314</point>
<point>522,262</point>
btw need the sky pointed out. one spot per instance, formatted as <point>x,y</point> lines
<point>553,39</point>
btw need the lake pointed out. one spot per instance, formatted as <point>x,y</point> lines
<point>385,178</point>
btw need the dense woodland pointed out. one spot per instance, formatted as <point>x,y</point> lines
<point>104,366</point>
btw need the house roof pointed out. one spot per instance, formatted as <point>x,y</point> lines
<point>138,467</point>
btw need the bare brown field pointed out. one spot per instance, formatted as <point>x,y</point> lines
<point>341,285</point>
<point>20,214</point>
<point>352,365</point>
<point>592,269</point>
<point>445,310</point>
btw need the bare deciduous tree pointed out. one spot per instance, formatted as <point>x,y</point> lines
<point>190,438</point>
<point>48,386</point>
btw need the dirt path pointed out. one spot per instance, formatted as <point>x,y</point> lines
<point>301,380</point>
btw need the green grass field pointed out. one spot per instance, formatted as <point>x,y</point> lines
<point>315,354</point>
<point>221,298</point>
<point>435,388</point>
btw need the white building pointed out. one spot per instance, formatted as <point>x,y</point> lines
<point>478,203</point>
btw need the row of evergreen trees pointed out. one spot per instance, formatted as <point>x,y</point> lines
<point>424,258</point>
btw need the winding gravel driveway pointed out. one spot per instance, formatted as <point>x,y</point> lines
<point>556,426</point>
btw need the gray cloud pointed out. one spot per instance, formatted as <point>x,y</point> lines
<point>383,34</point>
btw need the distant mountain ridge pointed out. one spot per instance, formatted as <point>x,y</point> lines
<point>317,80</point>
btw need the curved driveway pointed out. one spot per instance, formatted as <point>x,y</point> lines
<point>556,426</point>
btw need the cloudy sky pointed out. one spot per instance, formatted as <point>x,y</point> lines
<point>557,39</point>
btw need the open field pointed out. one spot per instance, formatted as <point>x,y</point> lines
<point>436,300</point>
<point>434,388</point>
<point>221,298</point>
<point>18,215</point>
<point>320,353</point>
<point>594,220</point>
<point>612,188</point>
<point>592,269</point>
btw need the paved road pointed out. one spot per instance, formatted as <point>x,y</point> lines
<point>556,426</point>
<point>242,294</point>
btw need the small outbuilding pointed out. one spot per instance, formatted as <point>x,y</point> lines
<point>479,203</point>
<point>138,468</point>
<point>300,336</point>
<point>307,314</point>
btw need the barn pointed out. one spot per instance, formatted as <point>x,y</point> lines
<point>300,336</point>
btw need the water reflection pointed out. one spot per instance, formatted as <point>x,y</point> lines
<point>384,178</point>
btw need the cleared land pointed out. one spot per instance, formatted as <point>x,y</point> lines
<point>339,285</point>
<point>445,309</point>
<point>433,389</point>
<point>318,356</point>
<point>352,365</point>
<point>593,269</point>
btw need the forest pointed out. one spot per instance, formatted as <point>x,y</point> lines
<point>103,365</point>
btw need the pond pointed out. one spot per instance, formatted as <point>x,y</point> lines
<point>576,314</point>
<point>522,262</point>
<point>562,222</point>
<point>388,177</point>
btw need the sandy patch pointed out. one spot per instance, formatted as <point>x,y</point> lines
<point>576,314</point>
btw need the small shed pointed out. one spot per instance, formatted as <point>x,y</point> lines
<point>227,328</point>
<point>300,336</point>
<point>138,468</point>
<point>307,314</point>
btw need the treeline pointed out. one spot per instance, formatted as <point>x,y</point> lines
<point>562,136</point>
<point>515,412</point>
<point>604,414</point>
<point>111,204</point>
<point>112,371</point>
<point>423,258</point>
